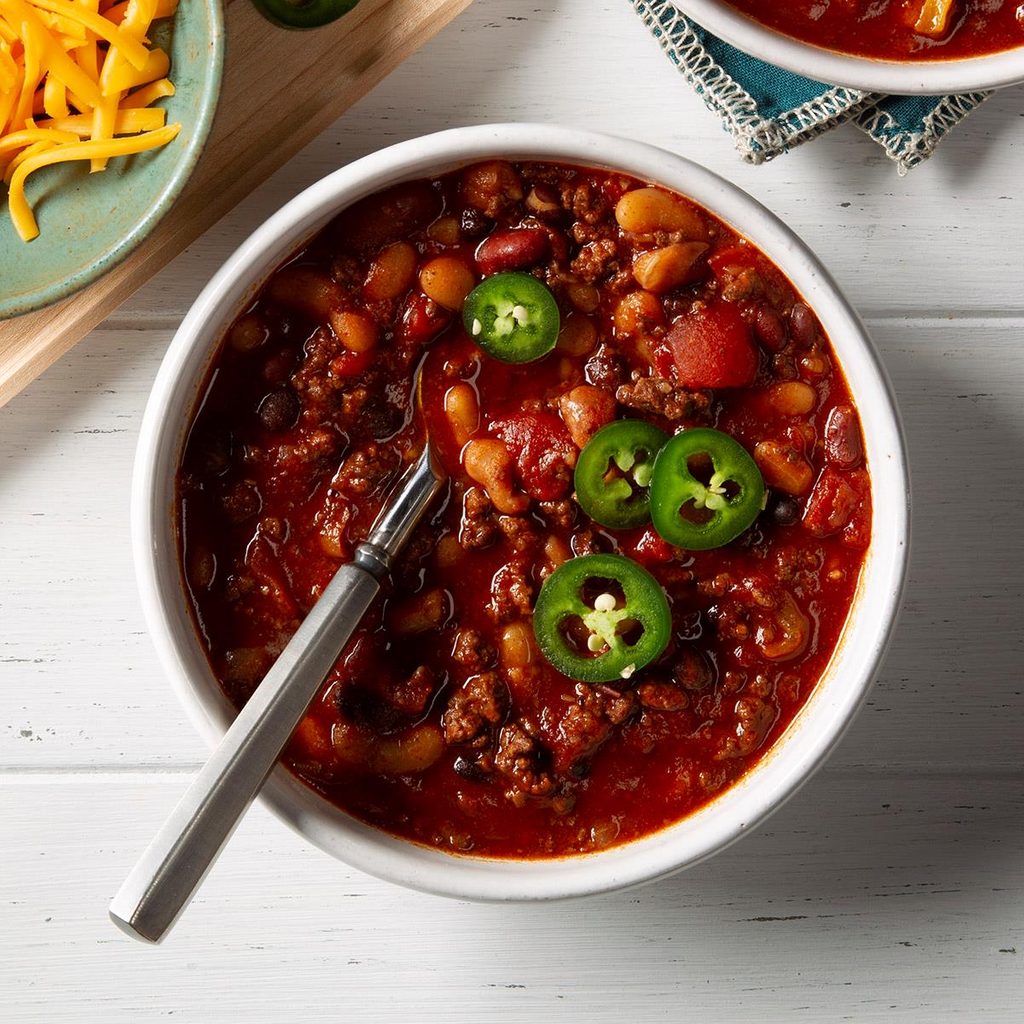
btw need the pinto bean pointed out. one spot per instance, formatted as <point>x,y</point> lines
<point>645,210</point>
<point>420,613</point>
<point>585,410</point>
<point>308,290</point>
<point>279,411</point>
<point>637,313</point>
<point>490,186</point>
<point>462,409</point>
<point>248,333</point>
<point>578,335</point>
<point>788,634</point>
<point>782,466</point>
<point>391,273</point>
<point>517,645</point>
<point>792,398</point>
<point>447,280</point>
<point>489,463</point>
<point>585,297</point>
<point>407,753</point>
<point>356,332</point>
<point>671,266</point>
<point>512,250</point>
<point>446,231</point>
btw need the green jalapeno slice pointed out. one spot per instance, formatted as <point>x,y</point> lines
<point>695,515</point>
<point>599,618</point>
<point>613,473</point>
<point>303,13</point>
<point>513,317</point>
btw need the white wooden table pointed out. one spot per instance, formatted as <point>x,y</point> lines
<point>889,890</point>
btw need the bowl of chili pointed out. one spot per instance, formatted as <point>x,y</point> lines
<point>906,47</point>
<point>670,561</point>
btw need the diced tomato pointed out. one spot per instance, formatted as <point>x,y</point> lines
<point>713,347</point>
<point>421,320</point>
<point>833,502</point>
<point>543,450</point>
<point>648,548</point>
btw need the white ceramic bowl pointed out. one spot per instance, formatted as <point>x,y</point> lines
<point>905,78</point>
<point>821,722</point>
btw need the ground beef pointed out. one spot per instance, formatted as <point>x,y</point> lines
<point>754,719</point>
<point>479,520</point>
<point>585,200</point>
<point>241,501</point>
<point>661,696</point>
<point>595,260</point>
<point>472,651</point>
<point>589,722</point>
<point>511,592</point>
<point>521,760</point>
<point>518,531</point>
<point>475,710</point>
<point>662,398</point>
<point>412,694</point>
<point>366,469</point>
<point>559,513</point>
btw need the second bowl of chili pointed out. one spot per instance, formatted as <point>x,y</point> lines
<point>906,47</point>
<point>733,587</point>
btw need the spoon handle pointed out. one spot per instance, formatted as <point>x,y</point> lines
<point>183,851</point>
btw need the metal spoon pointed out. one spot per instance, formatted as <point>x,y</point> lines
<point>170,871</point>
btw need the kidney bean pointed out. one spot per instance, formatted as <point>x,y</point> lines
<point>843,445</point>
<point>386,217</point>
<point>803,325</point>
<point>769,328</point>
<point>512,250</point>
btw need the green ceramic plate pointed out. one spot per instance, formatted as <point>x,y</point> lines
<point>88,223</point>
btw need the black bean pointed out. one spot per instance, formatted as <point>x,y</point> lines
<point>468,769</point>
<point>279,411</point>
<point>783,510</point>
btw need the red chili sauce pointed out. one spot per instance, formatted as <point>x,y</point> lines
<point>441,721</point>
<point>896,29</point>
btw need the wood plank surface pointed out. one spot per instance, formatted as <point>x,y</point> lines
<point>889,890</point>
<point>280,90</point>
<point>866,899</point>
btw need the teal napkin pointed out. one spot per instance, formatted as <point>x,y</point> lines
<point>768,111</point>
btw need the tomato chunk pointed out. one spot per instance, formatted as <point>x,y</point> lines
<point>713,348</point>
<point>543,450</point>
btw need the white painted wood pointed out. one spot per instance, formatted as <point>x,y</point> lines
<point>890,889</point>
<point>874,899</point>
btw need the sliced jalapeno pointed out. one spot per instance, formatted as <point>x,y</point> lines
<point>695,515</point>
<point>513,317</point>
<point>613,473</point>
<point>601,617</point>
<point>303,13</point>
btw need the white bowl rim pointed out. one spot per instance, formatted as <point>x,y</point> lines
<point>792,760</point>
<point>904,78</point>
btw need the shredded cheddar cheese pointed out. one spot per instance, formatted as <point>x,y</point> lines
<point>77,82</point>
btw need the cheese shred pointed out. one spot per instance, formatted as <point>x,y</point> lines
<point>77,82</point>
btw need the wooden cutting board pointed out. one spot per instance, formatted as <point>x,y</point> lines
<point>281,89</point>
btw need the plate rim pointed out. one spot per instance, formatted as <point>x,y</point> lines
<point>113,256</point>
